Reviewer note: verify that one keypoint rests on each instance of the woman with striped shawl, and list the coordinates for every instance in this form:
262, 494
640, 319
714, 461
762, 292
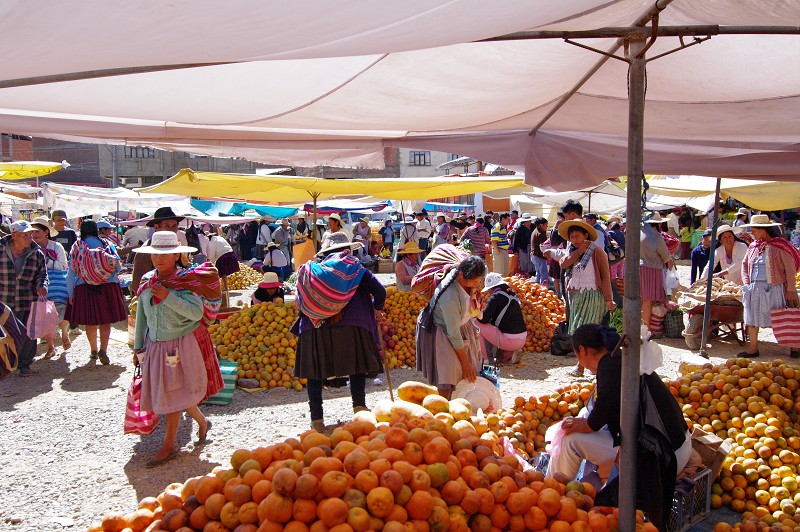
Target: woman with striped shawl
337, 333
587, 274
172, 343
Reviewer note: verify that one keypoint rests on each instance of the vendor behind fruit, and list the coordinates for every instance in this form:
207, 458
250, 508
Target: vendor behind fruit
269, 289
594, 435
448, 343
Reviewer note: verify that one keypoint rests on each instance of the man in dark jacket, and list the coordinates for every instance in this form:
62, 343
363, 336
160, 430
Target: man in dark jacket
522, 243
23, 279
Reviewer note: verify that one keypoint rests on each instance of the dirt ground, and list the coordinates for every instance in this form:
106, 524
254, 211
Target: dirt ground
65, 460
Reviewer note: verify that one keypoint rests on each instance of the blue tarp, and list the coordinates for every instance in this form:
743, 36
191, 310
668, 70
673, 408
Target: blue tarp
228, 208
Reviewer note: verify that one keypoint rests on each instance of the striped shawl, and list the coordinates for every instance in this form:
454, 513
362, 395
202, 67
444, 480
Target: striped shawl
324, 288
201, 280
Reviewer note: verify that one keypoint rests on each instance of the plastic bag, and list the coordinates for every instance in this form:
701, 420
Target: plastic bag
670, 280
650, 357
138, 421
43, 319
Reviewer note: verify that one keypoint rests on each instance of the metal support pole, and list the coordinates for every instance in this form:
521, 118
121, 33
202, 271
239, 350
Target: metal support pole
114, 175
632, 309
314, 217
709, 280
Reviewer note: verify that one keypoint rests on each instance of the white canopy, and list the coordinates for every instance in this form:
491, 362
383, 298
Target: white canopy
79, 201
762, 195
336, 83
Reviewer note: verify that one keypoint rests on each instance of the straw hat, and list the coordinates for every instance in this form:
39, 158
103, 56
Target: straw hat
270, 280
364, 219
742, 211
45, 224
725, 227
655, 219
321, 221
410, 247
614, 218
526, 217
336, 217
493, 280
338, 242
282, 221
301, 215
164, 242
565, 226
761, 220
272, 245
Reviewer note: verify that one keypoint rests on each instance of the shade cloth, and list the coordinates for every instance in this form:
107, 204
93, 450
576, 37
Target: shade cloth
370, 77
18, 170
79, 201
289, 189
761, 195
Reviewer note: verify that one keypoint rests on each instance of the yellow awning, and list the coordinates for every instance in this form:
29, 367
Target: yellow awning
761, 195
296, 189
18, 170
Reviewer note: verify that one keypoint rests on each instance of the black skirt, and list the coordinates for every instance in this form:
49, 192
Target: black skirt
329, 352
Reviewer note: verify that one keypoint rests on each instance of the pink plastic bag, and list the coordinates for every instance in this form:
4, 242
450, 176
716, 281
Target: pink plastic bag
43, 319
138, 421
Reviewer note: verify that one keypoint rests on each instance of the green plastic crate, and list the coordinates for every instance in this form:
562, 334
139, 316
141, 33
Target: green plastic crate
225, 395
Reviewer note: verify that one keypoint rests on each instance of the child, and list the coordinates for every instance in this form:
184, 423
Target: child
269, 289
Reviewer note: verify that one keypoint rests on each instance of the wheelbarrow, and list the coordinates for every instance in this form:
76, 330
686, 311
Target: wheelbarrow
726, 321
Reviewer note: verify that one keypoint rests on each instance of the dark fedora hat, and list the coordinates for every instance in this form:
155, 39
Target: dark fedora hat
164, 213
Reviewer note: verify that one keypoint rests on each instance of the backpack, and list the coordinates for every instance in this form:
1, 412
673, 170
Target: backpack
94, 266
193, 237
613, 250
434, 268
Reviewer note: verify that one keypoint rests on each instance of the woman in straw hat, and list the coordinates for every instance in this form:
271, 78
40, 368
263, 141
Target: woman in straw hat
588, 279
95, 305
55, 259
654, 256
172, 343
337, 333
768, 272
335, 225
407, 265
729, 255
269, 289
442, 230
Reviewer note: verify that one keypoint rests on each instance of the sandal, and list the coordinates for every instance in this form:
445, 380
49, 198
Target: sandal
576, 372
203, 437
51, 352
155, 463
745, 354
93, 356
65, 343
103, 357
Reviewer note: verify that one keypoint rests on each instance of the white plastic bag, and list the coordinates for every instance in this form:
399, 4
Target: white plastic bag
650, 357
670, 280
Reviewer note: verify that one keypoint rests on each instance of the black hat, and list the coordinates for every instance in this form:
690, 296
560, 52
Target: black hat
163, 213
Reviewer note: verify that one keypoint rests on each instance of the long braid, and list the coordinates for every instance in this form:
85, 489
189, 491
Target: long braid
451, 277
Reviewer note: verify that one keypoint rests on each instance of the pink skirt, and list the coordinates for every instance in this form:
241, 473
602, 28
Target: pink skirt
174, 375
213, 373
651, 284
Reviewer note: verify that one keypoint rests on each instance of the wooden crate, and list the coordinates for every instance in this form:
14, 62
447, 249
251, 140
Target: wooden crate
385, 266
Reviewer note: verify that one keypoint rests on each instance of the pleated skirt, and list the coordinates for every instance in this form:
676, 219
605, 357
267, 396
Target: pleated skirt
759, 299
586, 306
327, 352
651, 284
227, 264
97, 305
174, 375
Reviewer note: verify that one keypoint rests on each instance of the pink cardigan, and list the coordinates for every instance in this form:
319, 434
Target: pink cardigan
780, 268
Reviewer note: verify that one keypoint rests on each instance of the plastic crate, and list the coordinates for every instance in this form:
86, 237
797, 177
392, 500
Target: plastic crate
690, 508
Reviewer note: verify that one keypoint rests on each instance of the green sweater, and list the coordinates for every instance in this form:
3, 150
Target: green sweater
176, 316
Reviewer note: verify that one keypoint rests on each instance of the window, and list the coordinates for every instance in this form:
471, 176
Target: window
419, 158
453, 157
195, 156
139, 152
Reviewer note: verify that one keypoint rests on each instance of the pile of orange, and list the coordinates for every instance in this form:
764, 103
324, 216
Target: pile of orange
372, 476
755, 406
542, 311
244, 278
526, 422
258, 339
398, 326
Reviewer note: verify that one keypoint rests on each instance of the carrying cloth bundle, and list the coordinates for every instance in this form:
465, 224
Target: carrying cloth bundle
324, 288
435, 267
12, 335
202, 280
94, 266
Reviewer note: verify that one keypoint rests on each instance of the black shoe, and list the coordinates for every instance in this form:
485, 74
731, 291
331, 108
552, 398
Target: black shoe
25, 372
794, 353
745, 354
103, 357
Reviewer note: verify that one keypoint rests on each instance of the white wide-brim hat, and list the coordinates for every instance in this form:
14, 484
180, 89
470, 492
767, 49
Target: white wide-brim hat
164, 242
761, 220
493, 280
481, 394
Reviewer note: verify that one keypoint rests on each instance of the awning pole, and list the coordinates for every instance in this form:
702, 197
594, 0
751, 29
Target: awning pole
314, 196
590, 201
710, 279
632, 309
